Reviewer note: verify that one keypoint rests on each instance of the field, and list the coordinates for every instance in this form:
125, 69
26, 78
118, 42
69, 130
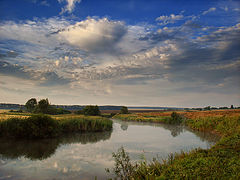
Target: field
222, 161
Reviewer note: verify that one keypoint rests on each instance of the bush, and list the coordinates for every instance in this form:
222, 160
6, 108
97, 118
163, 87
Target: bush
78, 112
54, 111
42, 126
123, 168
175, 118
91, 111
124, 110
37, 126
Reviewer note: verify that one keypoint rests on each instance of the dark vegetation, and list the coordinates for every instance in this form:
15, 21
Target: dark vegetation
175, 118
91, 111
43, 126
43, 106
124, 110
222, 161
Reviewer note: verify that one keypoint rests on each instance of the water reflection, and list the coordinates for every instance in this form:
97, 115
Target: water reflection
175, 130
43, 149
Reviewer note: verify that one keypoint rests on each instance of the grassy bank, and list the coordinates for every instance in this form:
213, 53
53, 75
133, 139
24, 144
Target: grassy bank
222, 161
141, 118
43, 126
173, 118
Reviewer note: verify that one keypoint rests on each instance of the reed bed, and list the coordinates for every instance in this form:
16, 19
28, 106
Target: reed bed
43, 126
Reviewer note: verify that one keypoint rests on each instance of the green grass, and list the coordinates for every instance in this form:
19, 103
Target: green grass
222, 161
139, 118
175, 118
43, 126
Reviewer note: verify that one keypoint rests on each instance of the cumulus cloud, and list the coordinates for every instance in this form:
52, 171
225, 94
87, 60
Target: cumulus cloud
96, 35
109, 58
212, 9
164, 20
70, 5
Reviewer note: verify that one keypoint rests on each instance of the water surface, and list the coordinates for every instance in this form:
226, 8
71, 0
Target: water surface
84, 156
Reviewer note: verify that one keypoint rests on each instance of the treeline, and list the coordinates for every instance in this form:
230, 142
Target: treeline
43, 106
212, 108
67, 107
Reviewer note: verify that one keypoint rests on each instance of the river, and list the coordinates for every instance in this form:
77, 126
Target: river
85, 156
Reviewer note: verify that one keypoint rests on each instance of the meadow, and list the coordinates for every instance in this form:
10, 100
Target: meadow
221, 161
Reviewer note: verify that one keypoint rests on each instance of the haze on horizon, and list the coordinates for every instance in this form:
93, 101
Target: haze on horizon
134, 53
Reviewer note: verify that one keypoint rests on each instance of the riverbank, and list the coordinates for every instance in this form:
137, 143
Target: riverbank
222, 161
44, 126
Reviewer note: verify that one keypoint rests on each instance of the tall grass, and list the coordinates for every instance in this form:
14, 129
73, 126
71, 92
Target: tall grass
43, 126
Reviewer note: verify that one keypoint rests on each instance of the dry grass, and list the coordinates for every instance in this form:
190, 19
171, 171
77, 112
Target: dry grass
194, 114
213, 113
4, 110
8, 116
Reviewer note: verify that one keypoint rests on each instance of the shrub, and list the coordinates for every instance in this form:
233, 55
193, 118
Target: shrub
37, 126
78, 112
124, 110
123, 168
91, 110
175, 118
42, 126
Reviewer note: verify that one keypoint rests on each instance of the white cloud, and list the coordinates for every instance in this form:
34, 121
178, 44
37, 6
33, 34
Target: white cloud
164, 20
102, 57
94, 35
209, 10
70, 5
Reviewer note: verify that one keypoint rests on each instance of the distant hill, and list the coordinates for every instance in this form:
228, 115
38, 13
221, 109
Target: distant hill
154, 108
79, 107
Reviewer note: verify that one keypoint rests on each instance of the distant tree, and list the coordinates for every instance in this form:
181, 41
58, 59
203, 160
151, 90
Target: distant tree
31, 104
78, 112
91, 110
124, 110
43, 106
207, 108
223, 107
232, 107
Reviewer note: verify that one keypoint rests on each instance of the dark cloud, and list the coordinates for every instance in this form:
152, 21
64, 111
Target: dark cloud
42, 78
52, 79
13, 70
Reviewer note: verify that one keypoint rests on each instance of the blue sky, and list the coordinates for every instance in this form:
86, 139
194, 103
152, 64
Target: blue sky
155, 52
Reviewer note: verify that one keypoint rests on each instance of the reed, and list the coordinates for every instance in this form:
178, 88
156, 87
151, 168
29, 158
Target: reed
44, 126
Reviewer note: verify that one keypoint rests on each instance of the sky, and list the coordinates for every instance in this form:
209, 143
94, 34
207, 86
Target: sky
121, 52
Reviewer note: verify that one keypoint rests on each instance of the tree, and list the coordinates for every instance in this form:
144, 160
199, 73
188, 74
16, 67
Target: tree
91, 110
124, 110
31, 104
43, 106
232, 107
207, 108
